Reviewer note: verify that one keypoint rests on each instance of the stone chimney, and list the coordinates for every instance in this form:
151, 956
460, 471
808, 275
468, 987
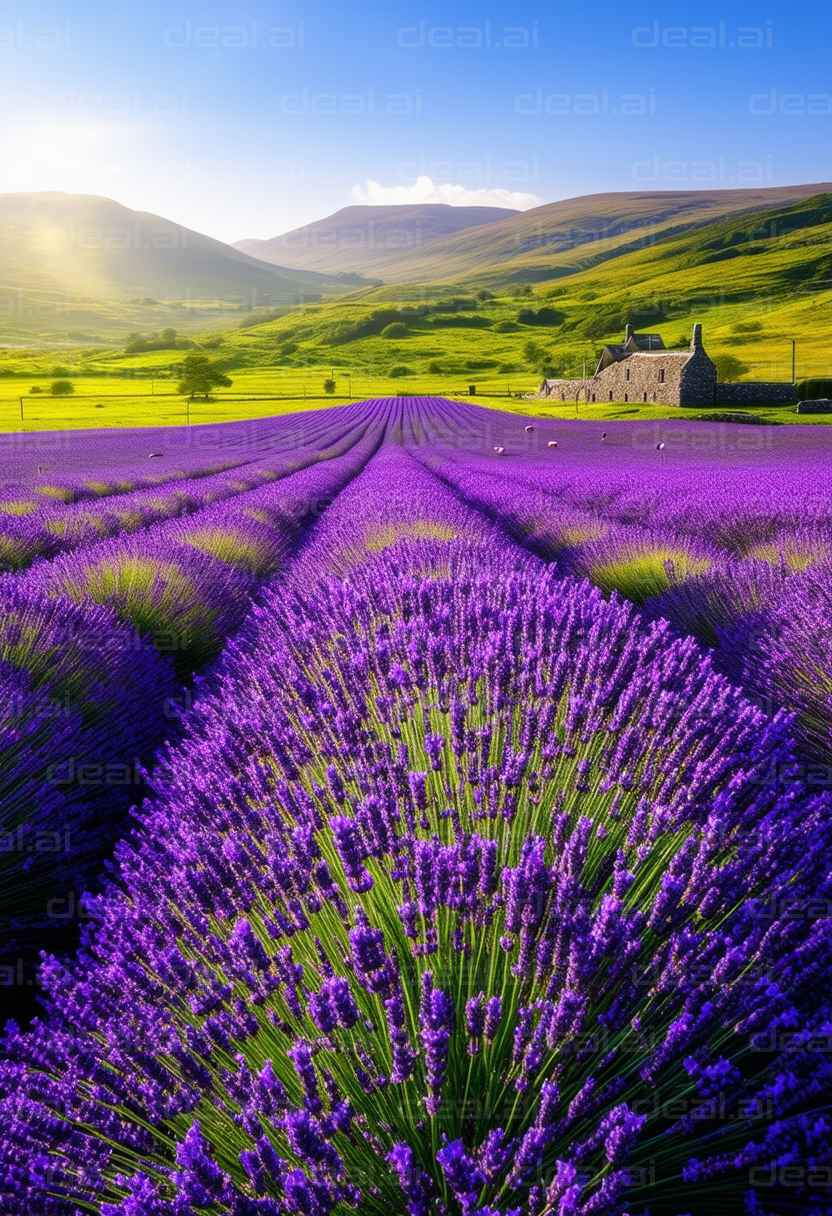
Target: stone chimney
628, 333
696, 339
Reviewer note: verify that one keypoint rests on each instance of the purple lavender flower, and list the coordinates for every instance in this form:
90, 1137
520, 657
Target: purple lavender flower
660, 953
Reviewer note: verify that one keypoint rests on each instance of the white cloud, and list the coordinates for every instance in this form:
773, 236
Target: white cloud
424, 190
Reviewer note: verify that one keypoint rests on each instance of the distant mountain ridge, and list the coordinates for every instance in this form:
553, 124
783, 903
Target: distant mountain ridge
77, 256
533, 246
83, 268
360, 238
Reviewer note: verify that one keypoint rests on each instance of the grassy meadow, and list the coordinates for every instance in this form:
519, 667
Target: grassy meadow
757, 282
99, 402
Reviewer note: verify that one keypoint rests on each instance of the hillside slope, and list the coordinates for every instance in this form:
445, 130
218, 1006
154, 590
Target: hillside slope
363, 239
66, 257
557, 238
755, 279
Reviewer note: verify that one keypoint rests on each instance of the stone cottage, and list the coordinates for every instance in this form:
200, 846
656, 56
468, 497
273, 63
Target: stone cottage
642, 369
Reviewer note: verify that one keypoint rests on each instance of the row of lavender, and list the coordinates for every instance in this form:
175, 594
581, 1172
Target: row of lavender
468, 890
132, 500
71, 466
96, 651
739, 558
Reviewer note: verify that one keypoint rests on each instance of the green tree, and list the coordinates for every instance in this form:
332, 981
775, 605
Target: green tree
536, 355
61, 388
729, 367
329, 385
199, 375
168, 337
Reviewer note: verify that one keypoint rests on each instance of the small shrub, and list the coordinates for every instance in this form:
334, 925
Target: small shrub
35, 389
399, 370
460, 321
434, 367
61, 388
729, 367
506, 327
398, 329
536, 354
540, 316
329, 385
58, 372
374, 323
814, 390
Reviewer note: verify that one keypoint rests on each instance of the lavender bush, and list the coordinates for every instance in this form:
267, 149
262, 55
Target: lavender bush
771, 631
26, 536
469, 890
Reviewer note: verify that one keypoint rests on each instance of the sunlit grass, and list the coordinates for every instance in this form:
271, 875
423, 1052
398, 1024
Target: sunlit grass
646, 574
236, 548
285, 388
798, 552
15, 553
59, 492
385, 535
156, 597
549, 537
105, 487
18, 508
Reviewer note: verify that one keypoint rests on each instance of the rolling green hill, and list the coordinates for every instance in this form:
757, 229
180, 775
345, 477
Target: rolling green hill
757, 278
73, 262
523, 247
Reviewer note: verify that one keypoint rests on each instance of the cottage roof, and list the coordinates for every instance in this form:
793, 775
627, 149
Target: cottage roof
668, 356
633, 344
647, 342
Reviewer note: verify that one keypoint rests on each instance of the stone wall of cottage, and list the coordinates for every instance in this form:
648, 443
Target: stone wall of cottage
663, 378
685, 378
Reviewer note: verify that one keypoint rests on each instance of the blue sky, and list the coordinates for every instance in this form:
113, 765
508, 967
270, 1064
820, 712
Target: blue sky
248, 119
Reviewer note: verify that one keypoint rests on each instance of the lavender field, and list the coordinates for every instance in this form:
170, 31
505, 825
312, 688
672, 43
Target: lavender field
411, 809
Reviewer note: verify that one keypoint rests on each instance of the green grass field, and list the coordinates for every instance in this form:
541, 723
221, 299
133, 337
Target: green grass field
755, 294
103, 401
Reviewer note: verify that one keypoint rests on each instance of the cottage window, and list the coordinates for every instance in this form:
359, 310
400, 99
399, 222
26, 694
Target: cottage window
610, 395
661, 375
645, 396
626, 398
626, 373
593, 396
